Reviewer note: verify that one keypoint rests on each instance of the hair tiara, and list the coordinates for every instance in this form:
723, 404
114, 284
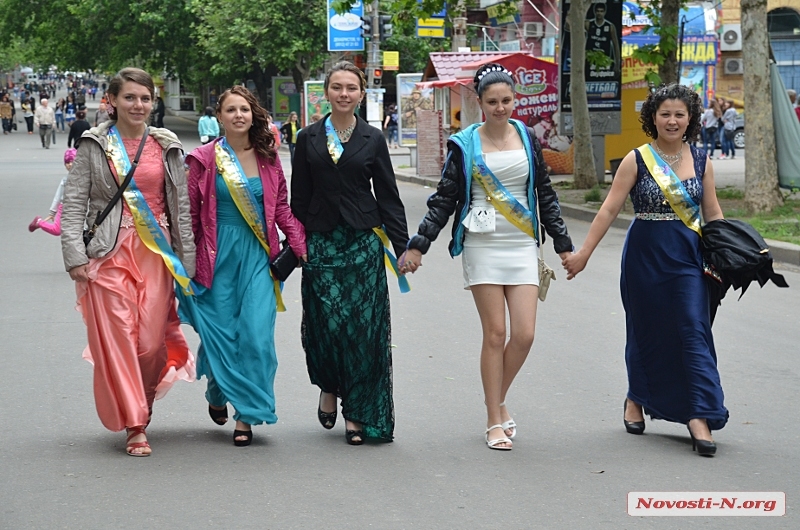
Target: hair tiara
488, 69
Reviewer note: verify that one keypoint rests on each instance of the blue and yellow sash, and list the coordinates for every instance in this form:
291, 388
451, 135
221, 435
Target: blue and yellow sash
143, 219
502, 200
233, 175
673, 189
335, 148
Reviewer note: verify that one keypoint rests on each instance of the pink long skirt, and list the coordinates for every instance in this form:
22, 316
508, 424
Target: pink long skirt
135, 341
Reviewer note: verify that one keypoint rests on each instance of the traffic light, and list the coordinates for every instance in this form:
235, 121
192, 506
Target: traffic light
366, 27
385, 28
377, 74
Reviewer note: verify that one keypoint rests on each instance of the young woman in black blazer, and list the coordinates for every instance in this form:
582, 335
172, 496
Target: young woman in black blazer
338, 163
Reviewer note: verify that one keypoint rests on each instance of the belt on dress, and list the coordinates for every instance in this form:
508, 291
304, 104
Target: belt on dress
652, 216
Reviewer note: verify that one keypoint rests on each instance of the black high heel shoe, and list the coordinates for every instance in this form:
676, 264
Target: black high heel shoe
326, 419
703, 447
218, 416
242, 443
633, 427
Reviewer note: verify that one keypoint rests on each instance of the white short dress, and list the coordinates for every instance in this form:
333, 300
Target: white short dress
506, 256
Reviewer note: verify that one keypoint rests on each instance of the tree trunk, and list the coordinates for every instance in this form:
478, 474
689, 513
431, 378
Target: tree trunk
584, 173
761, 193
263, 81
668, 71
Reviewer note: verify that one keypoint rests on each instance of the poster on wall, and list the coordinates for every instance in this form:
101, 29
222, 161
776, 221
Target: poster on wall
411, 100
282, 88
603, 30
536, 105
316, 103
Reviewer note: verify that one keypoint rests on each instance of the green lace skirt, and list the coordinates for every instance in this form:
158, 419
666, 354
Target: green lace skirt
346, 328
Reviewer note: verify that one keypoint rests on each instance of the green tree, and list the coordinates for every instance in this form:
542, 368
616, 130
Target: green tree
258, 39
664, 16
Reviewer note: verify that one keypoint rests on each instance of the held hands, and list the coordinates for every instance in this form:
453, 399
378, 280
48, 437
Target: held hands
574, 263
79, 273
410, 261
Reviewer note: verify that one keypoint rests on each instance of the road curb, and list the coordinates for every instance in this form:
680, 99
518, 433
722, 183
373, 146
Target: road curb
781, 251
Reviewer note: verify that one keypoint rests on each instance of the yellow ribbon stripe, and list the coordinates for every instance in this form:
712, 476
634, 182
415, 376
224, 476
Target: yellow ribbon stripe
673, 189
232, 174
143, 219
391, 262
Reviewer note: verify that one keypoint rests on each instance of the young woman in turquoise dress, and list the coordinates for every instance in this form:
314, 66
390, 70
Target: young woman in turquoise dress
490, 165
670, 356
238, 199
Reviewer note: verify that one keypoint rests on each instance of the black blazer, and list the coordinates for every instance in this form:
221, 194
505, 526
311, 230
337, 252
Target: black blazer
323, 192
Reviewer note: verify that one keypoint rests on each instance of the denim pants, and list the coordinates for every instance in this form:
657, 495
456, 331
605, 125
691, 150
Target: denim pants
728, 147
709, 140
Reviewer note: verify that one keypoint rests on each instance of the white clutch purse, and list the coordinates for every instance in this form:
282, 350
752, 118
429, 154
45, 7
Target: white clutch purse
480, 219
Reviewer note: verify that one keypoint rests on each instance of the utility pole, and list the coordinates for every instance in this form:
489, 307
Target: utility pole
374, 53
460, 27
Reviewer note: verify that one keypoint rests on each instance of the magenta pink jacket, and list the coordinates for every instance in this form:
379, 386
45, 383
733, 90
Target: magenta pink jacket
203, 199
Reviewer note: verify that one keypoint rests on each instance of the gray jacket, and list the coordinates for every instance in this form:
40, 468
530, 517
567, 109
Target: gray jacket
91, 182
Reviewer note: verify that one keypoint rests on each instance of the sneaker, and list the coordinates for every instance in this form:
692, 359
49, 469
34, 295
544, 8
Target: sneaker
34, 224
721, 157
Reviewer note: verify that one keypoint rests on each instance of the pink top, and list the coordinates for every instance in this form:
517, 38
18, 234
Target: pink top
149, 178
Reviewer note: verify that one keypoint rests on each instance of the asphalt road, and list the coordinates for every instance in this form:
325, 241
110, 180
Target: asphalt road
572, 465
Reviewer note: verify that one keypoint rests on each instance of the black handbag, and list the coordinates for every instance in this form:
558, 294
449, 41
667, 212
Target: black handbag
284, 263
88, 235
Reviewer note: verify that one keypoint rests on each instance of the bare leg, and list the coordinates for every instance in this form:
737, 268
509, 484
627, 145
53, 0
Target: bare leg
699, 428
490, 301
633, 412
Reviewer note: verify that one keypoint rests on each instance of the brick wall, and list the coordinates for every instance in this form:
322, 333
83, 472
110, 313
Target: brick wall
430, 143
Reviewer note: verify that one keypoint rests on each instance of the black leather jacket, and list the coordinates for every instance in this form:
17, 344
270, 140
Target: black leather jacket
451, 197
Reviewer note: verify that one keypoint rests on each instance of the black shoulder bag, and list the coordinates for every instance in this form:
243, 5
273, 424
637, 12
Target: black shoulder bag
88, 235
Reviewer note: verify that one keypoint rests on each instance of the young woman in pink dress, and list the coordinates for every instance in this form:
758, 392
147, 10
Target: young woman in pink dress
125, 275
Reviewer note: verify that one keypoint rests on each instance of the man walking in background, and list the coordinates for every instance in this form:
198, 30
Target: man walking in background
45, 119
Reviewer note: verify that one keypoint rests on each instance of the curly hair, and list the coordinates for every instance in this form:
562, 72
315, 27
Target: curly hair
261, 137
689, 97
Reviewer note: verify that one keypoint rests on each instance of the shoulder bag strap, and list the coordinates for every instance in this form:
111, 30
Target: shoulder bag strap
101, 216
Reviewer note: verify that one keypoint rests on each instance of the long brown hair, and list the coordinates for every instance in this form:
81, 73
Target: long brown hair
261, 137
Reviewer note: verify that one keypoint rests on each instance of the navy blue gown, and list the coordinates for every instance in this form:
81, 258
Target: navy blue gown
672, 364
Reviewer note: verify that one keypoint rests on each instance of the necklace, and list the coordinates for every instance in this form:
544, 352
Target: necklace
673, 161
345, 134
508, 136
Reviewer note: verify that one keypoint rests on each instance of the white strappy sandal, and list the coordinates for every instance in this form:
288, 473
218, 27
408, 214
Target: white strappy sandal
495, 444
509, 425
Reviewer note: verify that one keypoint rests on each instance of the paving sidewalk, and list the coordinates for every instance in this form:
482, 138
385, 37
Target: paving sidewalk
727, 174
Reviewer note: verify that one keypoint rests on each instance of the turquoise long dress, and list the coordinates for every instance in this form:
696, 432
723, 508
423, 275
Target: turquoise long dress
235, 318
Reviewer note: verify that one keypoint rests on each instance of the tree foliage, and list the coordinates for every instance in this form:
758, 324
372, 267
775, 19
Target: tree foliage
202, 41
664, 16
257, 39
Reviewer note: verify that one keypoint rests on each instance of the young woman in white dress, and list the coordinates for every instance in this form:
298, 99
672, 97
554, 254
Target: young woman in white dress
500, 253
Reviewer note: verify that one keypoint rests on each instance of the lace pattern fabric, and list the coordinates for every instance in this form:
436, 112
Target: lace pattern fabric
127, 220
647, 197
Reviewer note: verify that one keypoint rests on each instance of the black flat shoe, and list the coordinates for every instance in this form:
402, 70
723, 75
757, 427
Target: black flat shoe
242, 443
349, 435
633, 427
218, 416
703, 447
326, 419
